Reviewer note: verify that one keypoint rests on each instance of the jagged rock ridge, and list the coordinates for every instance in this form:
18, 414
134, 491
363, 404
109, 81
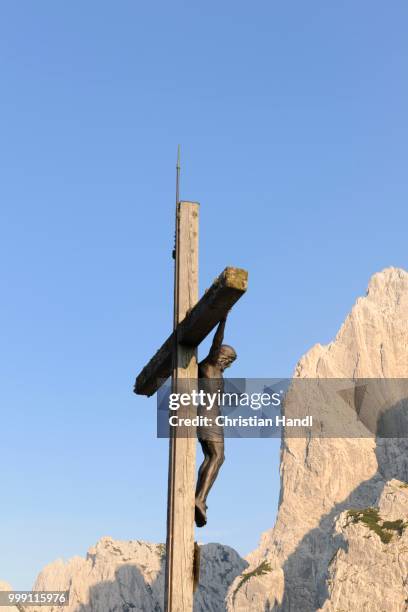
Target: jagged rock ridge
120, 576
311, 552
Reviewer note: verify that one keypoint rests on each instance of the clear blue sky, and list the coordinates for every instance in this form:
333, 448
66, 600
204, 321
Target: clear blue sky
293, 122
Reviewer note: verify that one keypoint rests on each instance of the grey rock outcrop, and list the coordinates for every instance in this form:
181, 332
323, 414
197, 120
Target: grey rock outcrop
298, 565
5, 586
369, 571
120, 576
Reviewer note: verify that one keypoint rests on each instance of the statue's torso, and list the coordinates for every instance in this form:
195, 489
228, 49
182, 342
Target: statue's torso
210, 381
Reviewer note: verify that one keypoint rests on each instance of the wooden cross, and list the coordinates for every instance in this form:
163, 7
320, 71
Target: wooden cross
177, 357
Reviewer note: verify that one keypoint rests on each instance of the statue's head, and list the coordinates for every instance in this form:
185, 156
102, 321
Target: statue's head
226, 356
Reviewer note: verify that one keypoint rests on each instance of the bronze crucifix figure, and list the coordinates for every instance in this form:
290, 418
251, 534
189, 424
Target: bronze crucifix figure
211, 438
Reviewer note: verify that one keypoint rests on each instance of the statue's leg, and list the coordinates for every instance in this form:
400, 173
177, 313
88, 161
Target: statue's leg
200, 507
203, 468
214, 458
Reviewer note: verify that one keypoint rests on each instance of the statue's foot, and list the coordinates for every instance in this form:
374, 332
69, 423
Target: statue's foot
200, 513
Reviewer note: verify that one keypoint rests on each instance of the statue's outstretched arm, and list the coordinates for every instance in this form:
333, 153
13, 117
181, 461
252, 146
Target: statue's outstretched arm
217, 340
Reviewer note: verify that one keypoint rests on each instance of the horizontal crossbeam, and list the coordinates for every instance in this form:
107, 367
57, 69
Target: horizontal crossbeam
215, 304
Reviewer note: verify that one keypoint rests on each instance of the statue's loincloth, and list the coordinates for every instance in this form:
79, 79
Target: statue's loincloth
211, 432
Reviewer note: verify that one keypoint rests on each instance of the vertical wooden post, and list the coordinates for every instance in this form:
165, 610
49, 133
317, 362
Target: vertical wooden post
182, 448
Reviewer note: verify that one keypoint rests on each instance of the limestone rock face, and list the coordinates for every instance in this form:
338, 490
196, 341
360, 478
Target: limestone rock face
119, 576
299, 563
4, 586
371, 564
